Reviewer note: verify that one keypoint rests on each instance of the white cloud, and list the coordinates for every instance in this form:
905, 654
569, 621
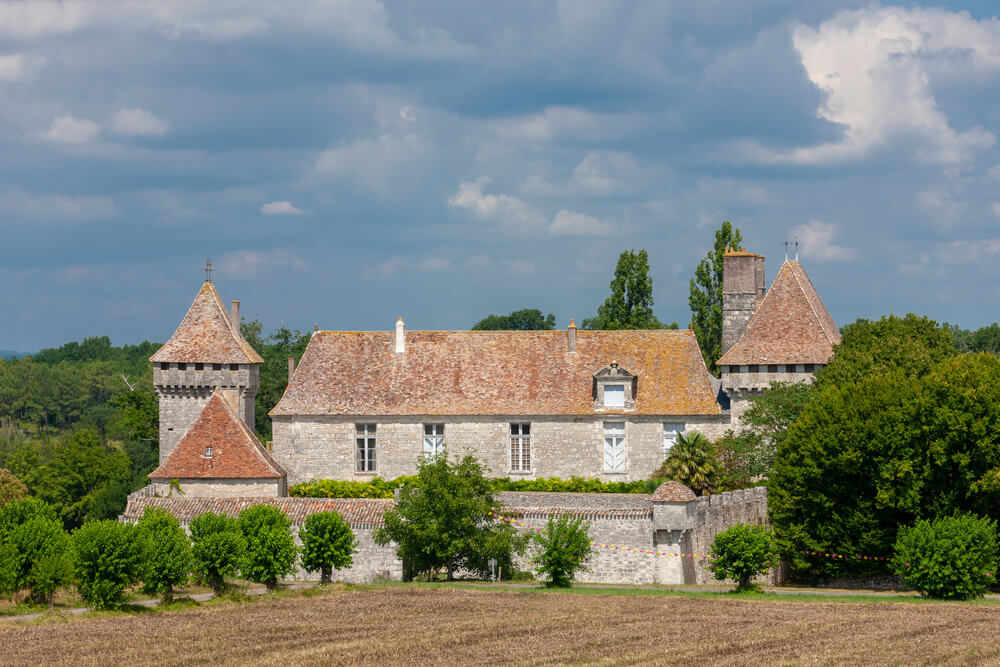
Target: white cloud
371, 162
280, 208
513, 214
406, 113
967, 252
996, 209
19, 206
571, 223
598, 174
434, 264
248, 263
72, 130
816, 239
18, 66
873, 67
137, 122
520, 267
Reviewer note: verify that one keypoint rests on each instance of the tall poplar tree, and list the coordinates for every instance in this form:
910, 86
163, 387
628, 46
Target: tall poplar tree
630, 305
706, 295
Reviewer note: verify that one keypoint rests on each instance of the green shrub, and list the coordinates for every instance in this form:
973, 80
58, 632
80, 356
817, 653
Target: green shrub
108, 559
741, 552
380, 488
166, 552
562, 548
952, 557
217, 548
335, 488
271, 550
693, 463
36, 555
327, 544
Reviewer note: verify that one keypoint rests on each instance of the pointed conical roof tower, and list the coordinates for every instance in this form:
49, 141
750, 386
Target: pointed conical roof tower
220, 456
207, 351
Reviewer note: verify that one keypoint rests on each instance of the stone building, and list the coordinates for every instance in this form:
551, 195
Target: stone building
603, 404
206, 352
785, 334
220, 457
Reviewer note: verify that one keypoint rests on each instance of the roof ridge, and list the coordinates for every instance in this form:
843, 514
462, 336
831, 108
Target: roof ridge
261, 450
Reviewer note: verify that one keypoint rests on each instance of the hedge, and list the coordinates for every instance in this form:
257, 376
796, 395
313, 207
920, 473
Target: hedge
381, 488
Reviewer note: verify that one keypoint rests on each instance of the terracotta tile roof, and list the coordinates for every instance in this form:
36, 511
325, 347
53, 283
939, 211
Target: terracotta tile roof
791, 325
494, 373
673, 492
357, 511
520, 504
236, 452
206, 335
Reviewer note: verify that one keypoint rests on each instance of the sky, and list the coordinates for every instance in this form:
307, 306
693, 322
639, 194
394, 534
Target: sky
347, 162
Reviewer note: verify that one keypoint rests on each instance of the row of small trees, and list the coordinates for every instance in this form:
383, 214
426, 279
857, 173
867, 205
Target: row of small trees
105, 558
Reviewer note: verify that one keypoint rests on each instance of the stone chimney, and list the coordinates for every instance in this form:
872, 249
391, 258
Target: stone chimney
742, 291
236, 316
571, 336
291, 368
400, 337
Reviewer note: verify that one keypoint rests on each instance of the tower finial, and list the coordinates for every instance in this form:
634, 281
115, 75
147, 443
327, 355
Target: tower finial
209, 267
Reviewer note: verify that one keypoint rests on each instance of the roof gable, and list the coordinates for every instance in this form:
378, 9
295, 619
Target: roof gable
494, 373
236, 452
206, 335
791, 325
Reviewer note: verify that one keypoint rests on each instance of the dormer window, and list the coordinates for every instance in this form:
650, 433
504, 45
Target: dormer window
614, 396
208, 452
614, 388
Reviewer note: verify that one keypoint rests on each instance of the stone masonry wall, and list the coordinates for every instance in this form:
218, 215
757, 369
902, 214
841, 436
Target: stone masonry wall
324, 447
222, 488
714, 514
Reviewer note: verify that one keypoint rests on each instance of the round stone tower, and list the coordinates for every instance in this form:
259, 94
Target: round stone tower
206, 352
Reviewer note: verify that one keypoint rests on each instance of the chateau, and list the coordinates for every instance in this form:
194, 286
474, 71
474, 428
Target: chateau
600, 404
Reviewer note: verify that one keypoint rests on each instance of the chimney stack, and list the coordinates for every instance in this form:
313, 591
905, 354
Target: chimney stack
236, 315
742, 291
400, 337
291, 368
571, 336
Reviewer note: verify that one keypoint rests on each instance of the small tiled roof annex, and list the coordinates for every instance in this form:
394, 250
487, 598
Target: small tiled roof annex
673, 492
206, 335
791, 325
236, 452
494, 373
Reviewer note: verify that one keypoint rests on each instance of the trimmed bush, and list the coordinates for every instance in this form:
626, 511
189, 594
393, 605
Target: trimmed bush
166, 553
951, 557
217, 548
36, 555
380, 488
271, 549
562, 548
327, 544
108, 559
741, 552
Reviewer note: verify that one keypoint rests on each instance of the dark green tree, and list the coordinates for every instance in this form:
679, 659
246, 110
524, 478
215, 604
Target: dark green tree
705, 297
440, 519
950, 557
528, 319
741, 552
107, 557
166, 553
562, 549
271, 551
630, 305
217, 548
867, 457
328, 544
692, 462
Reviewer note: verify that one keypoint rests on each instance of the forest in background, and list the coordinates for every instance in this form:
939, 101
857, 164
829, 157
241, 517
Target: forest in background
79, 423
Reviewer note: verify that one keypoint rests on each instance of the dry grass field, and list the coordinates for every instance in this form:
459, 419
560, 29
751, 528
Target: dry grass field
419, 625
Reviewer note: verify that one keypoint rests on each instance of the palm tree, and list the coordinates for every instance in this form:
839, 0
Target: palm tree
692, 462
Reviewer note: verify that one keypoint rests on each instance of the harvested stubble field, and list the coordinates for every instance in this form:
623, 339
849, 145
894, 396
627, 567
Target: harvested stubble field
415, 625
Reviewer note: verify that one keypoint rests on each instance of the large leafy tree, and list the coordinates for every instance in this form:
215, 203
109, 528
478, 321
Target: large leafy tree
11, 488
271, 550
705, 297
217, 548
446, 517
166, 552
562, 548
630, 305
328, 544
36, 555
528, 319
869, 456
107, 556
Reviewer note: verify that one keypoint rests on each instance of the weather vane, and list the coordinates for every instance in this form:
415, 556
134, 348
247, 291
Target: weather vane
794, 242
209, 267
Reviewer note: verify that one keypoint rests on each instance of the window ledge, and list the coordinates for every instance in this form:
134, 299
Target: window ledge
521, 473
365, 474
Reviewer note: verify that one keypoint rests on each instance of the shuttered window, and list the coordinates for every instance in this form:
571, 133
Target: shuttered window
614, 446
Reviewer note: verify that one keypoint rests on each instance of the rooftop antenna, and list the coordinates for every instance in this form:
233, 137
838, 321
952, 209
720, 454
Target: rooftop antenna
209, 267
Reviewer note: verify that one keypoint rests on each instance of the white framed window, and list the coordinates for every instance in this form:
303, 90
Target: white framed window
670, 433
614, 396
614, 446
365, 437
433, 439
520, 447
